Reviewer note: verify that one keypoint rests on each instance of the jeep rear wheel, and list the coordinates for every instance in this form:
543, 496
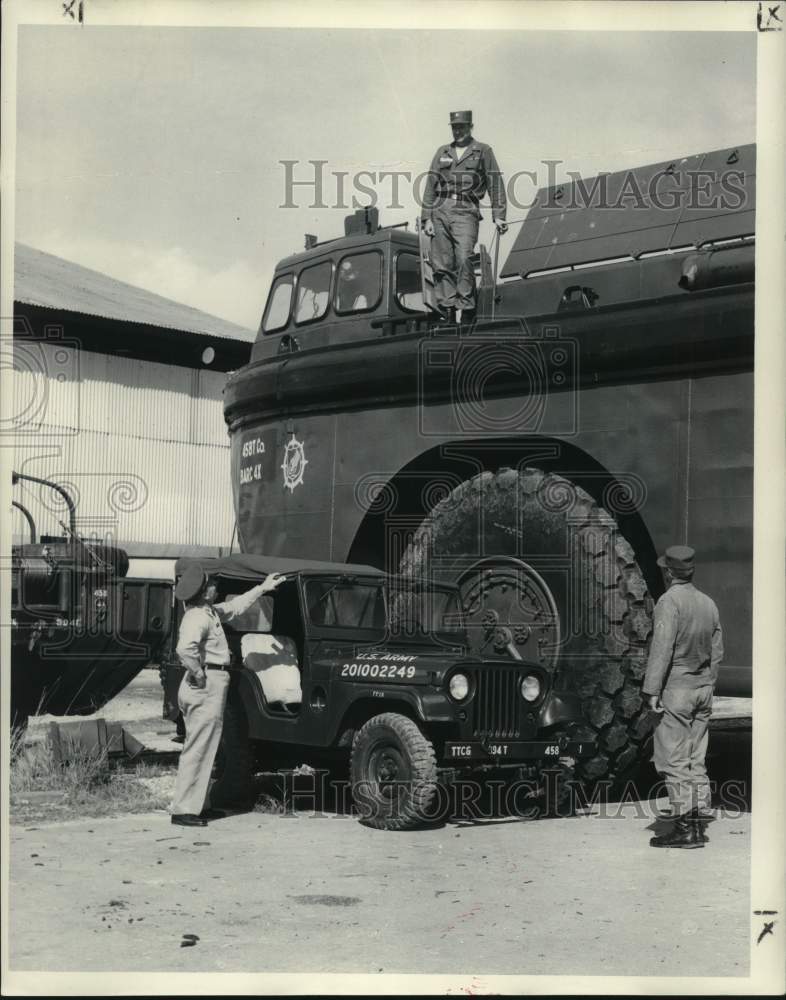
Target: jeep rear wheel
393, 773
537, 559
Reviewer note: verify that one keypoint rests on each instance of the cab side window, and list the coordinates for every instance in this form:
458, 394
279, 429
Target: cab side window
279, 302
313, 292
345, 605
359, 282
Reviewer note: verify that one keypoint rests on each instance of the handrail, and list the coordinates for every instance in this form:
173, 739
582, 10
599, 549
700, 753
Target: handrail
28, 517
16, 476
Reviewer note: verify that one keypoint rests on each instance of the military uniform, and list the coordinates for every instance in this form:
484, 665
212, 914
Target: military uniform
458, 178
686, 651
202, 648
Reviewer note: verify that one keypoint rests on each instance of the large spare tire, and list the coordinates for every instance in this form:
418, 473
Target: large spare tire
534, 552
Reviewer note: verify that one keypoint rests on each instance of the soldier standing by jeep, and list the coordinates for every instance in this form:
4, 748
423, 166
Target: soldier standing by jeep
460, 175
686, 651
203, 651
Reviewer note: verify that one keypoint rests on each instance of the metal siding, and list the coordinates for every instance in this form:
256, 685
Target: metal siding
142, 446
114, 395
46, 388
136, 490
209, 424
135, 398
160, 402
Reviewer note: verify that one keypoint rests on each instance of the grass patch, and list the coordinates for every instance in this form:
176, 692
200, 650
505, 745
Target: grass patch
44, 789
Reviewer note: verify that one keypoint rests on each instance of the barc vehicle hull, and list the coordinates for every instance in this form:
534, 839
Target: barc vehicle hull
598, 409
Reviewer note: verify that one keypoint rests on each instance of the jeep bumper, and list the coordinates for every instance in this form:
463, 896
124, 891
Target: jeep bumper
511, 751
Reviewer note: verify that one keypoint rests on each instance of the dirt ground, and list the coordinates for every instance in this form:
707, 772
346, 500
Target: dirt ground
320, 893
287, 894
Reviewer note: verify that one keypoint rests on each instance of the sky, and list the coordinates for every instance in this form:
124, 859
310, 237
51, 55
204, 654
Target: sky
153, 154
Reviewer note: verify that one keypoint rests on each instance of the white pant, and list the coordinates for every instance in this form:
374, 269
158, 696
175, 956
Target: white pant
203, 714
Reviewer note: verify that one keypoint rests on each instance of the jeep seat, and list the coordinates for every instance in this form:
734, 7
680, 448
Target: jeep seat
273, 658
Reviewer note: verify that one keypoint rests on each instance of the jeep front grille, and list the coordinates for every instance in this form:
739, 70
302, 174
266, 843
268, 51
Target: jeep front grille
497, 704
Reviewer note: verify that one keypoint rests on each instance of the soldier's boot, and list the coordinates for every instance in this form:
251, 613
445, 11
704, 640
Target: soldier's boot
448, 317
683, 834
699, 824
468, 317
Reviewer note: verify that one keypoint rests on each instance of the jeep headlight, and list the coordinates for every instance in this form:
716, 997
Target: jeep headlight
530, 688
459, 687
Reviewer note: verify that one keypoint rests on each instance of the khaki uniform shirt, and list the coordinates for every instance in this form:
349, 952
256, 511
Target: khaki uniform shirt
471, 177
687, 642
201, 638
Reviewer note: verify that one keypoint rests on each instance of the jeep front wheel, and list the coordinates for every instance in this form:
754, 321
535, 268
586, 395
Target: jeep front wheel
394, 773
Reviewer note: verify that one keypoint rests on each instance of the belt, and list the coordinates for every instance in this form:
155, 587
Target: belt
216, 666
461, 197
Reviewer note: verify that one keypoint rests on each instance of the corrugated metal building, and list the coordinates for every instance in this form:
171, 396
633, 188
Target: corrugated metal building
118, 396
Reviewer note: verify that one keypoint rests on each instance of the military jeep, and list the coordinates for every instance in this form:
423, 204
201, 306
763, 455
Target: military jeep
344, 665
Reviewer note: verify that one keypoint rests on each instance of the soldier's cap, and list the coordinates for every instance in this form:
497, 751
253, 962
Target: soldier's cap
460, 117
190, 583
679, 557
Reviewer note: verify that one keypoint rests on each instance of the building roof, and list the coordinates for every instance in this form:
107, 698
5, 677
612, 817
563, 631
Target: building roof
41, 279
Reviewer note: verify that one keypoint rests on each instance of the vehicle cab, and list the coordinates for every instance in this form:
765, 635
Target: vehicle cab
364, 284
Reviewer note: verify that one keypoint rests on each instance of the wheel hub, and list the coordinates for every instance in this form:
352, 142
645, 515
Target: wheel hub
508, 607
388, 769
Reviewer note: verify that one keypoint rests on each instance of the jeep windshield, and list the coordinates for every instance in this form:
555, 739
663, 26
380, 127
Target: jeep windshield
401, 607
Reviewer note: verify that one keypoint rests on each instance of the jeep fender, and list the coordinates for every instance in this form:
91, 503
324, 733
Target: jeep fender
429, 706
560, 707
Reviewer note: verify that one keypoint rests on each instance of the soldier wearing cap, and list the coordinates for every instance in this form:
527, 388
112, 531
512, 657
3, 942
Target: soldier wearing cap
686, 651
460, 175
203, 651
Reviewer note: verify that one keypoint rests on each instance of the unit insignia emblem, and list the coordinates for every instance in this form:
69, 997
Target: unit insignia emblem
294, 463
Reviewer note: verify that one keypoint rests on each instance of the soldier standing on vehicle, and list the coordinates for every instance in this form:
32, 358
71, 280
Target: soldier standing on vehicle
686, 651
460, 175
203, 651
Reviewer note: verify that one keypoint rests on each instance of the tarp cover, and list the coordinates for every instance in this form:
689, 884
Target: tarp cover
253, 567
